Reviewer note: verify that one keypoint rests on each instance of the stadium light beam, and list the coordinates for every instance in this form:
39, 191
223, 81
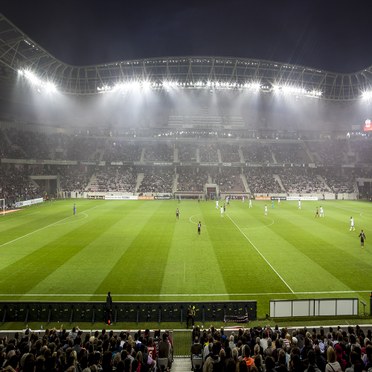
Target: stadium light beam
367, 95
39, 84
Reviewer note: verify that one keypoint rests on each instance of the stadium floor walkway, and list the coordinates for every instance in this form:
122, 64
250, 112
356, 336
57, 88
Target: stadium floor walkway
181, 364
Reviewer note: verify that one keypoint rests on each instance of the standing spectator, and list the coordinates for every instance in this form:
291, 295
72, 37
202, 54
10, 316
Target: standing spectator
108, 308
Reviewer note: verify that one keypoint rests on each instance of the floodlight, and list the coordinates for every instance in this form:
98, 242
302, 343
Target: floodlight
315, 93
39, 84
367, 95
146, 84
288, 89
104, 89
50, 87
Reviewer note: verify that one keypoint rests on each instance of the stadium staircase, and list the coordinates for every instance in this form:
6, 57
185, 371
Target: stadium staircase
308, 153
241, 156
139, 180
175, 183
245, 183
181, 364
92, 184
175, 155
323, 181
277, 179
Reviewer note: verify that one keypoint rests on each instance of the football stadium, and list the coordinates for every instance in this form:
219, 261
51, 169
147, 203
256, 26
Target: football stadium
213, 204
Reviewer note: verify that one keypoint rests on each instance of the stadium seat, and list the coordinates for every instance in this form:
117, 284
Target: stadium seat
163, 364
197, 362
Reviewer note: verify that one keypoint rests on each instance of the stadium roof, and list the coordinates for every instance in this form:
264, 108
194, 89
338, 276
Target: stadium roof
18, 51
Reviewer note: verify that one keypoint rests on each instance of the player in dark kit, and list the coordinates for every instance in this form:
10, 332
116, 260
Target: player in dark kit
177, 213
362, 237
199, 227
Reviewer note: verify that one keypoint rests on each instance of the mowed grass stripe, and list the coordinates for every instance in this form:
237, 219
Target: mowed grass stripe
47, 233
24, 274
331, 245
94, 262
310, 250
263, 270
33, 218
140, 268
192, 267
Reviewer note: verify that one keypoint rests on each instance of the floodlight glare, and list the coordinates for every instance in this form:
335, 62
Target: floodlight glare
50, 87
367, 95
146, 84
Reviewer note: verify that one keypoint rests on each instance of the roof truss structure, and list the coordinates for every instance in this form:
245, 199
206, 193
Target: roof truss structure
18, 51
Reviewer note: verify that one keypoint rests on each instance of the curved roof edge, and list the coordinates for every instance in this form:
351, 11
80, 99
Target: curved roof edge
18, 51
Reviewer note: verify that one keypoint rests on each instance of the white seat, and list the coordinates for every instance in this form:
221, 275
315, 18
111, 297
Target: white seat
197, 362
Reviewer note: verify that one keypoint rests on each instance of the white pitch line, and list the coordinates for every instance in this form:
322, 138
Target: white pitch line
177, 294
257, 250
35, 231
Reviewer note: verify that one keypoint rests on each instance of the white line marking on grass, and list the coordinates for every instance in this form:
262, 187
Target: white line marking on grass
257, 250
192, 221
74, 219
103, 295
35, 231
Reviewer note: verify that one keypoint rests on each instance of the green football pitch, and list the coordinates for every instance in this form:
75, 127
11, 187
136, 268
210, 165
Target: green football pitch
139, 251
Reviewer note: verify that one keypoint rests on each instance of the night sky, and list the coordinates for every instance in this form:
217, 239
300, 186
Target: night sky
330, 35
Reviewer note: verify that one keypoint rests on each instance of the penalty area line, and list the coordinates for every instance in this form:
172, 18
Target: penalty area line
264, 258
41, 229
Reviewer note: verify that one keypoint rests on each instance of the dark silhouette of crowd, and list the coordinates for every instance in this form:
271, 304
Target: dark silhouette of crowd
62, 350
267, 349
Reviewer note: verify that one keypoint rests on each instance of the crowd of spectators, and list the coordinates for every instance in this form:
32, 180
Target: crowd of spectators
340, 180
362, 150
186, 152
257, 153
262, 181
93, 145
119, 150
289, 153
74, 158
266, 349
330, 152
118, 179
208, 153
229, 153
73, 178
76, 351
15, 185
159, 152
28, 144
191, 179
157, 181
302, 181
229, 180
